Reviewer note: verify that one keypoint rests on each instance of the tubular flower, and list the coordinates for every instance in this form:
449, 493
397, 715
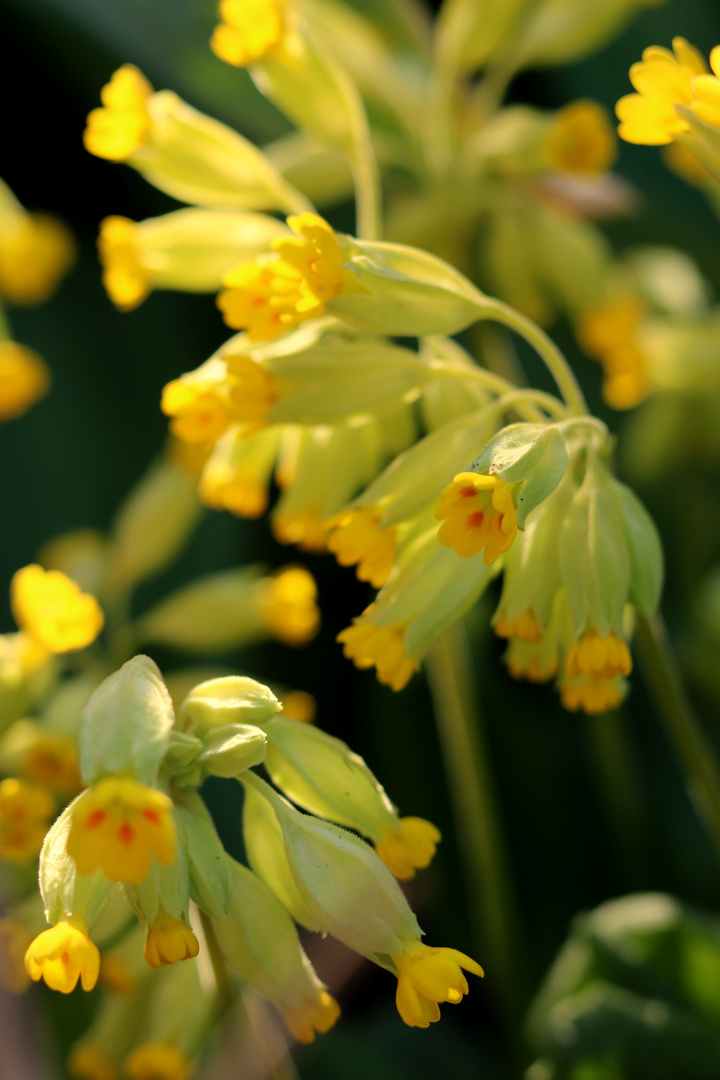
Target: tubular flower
663, 80
381, 647
119, 128
538, 662
236, 477
288, 605
600, 657
306, 528
592, 694
14, 941
313, 1015
119, 824
477, 512
525, 627
36, 251
52, 759
428, 976
408, 848
610, 332
52, 610
86, 1062
581, 140
200, 411
250, 29
253, 389
62, 955
25, 814
157, 1061
357, 539
124, 277
24, 379
267, 299
169, 940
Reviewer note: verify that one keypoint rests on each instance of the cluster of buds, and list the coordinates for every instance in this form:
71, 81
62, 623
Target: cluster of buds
140, 839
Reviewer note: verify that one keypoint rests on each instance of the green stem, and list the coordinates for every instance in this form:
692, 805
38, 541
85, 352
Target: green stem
491, 893
544, 346
693, 748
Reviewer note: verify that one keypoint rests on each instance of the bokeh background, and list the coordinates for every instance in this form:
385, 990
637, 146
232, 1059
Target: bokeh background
592, 809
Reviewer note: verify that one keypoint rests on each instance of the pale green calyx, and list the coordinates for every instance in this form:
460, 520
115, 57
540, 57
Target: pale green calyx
233, 699
64, 891
209, 883
531, 455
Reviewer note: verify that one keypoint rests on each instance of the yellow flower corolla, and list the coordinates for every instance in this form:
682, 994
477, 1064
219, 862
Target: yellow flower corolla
14, 942
477, 513
86, 1062
581, 140
288, 605
663, 80
253, 389
250, 29
592, 694
119, 825
52, 610
24, 379
601, 657
299, 705
25, 814
169, 940
52, 759
62, 955
707, 91
314, 1014
306, 528
525, 627
124, 277
116, 976
408, 848
357, 539
157, 1061
268, 298
381, 647
36, 251
610, 332
532, 661
427, 977
199, 412
118, 129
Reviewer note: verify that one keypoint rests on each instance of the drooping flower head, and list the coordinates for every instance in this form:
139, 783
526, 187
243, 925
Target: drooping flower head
117, 130
427, 977
663, 79
157, 1061
24, 379
52, 610
288, 605
315, 1014
62, 955
581, 140
477, 514
408, 848
250, 29
169, 940
381, 647
356, 539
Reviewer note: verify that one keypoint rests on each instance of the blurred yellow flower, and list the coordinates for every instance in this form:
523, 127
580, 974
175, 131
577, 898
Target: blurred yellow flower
24, 379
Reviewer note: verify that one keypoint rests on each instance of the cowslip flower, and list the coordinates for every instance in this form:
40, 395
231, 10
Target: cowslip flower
611, 333
357, 540
408, 848
117, 130
288, 605
580, 140
314, 1014
381, 647
157, 1061
663, 80
62, 955
119, 825
478, 514
52, 610
250, 30
24, 379
169, 940
427, 977
25, 814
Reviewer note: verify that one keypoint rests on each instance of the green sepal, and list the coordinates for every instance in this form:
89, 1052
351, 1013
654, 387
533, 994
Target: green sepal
231, 699
209, 874
64, 891
126, 724
323, 775
644, 548
232, 749
534, 455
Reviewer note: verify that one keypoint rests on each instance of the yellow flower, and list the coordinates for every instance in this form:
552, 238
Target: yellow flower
525, 627
50, 608
601, 657
253, 389
61, 956
535, 661
157, 1061
124, 277
663, 80
428, 976
357, 539
119, 824
381, 647
581, 140
314, 1014
200, 408
36, 251
478, 513
610, 332
305, 527
707, 91
169, 940
236, 477
25, 814
267, 299
250, 29
52, 759
24, 379
408, 848
299, 705
86, 1062
593, 694
288, 605
14, 941
118, 129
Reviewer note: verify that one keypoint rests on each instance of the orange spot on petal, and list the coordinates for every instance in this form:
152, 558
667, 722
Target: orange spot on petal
152, 816
467, 492
126, 834
95, 819
475, 520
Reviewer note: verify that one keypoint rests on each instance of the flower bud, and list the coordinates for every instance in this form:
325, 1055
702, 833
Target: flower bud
230, 750
233, 699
